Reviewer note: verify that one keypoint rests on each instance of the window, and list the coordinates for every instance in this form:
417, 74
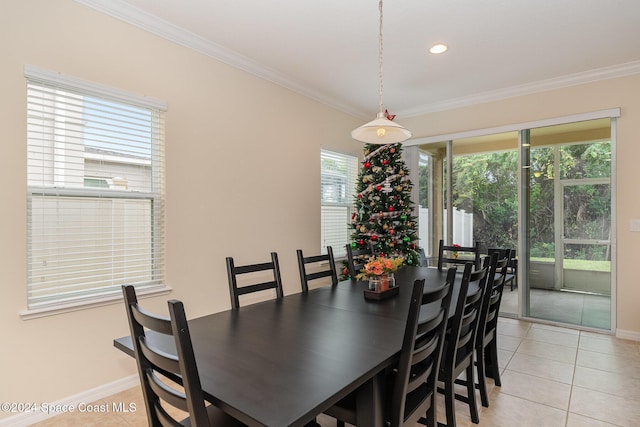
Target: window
95, 196
337, 183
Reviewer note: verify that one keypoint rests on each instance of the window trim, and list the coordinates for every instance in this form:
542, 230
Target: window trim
84, 304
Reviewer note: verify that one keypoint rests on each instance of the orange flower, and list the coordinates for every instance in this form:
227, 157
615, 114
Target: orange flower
379, 266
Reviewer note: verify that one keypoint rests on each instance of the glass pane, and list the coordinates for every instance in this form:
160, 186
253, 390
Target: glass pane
581, 161
568, 276
587, 212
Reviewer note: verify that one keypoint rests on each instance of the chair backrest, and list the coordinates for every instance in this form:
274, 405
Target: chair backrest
155, 366
458, 255
465, 321
357, 258
493, 294
510, 254
417, 372
328, 270
236, 290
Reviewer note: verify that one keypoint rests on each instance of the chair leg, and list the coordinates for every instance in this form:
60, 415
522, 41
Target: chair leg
450, 400
430, 419
471, 395
491, 359
482, 385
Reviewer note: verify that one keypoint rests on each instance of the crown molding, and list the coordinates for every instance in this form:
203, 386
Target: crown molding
134, 16
125, 12
605, 73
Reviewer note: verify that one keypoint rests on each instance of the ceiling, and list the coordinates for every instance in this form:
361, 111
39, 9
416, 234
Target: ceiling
328, 49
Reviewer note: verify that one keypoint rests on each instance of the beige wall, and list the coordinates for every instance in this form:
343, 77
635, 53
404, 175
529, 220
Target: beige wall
242, 179
621, 92
243, 173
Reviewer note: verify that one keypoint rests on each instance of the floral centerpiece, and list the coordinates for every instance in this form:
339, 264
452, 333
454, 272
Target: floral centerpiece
379, 272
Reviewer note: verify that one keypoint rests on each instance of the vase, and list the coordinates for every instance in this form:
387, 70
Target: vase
382, 282
374, 283
391, 279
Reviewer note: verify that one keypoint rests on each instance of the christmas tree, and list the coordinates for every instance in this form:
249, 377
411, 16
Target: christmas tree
383, 215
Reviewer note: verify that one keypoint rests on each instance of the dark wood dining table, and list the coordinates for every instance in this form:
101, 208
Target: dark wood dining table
281, 362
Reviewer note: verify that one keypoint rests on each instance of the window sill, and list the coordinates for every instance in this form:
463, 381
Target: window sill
87, 304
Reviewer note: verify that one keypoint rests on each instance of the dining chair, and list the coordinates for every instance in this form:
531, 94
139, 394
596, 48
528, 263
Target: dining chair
511, 279
325, 266
235, 289
486, 339
458, 355
357, 258
512, 275
458, 255
163, 396
411, 384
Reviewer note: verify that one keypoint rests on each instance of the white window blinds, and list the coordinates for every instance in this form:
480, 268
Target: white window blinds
338, 174
95, 178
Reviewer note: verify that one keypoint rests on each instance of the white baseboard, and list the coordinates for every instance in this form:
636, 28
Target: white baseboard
628, 335
25, 419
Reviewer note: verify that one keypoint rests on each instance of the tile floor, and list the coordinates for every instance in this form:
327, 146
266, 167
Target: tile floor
551, 377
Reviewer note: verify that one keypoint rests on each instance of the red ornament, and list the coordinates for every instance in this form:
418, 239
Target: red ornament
367, 165
385, 161
361, 242
378, 187
391, 231
390, 208
374, 237
359, 196
389, 116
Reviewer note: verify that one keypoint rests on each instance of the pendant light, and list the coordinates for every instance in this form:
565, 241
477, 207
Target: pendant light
381, 130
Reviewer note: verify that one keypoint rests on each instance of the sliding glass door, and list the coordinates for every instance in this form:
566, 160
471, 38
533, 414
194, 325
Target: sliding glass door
544, 191
567, 240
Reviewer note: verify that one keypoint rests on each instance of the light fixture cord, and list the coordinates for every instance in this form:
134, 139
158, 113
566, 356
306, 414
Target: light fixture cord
380, 59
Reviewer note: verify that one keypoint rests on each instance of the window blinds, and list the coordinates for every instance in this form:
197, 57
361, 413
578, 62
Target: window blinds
95, 178
337, 184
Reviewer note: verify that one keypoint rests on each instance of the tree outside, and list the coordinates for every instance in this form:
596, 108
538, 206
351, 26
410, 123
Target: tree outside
487, 186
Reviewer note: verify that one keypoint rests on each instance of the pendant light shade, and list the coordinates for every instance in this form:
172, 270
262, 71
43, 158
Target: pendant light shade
381, 130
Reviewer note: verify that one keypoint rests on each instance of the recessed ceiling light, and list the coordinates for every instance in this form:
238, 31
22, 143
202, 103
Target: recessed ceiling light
438, 48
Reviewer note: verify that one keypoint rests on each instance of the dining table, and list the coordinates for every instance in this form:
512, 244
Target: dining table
282, 362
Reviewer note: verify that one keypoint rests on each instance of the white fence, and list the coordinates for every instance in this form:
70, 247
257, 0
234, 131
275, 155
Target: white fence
462, 226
